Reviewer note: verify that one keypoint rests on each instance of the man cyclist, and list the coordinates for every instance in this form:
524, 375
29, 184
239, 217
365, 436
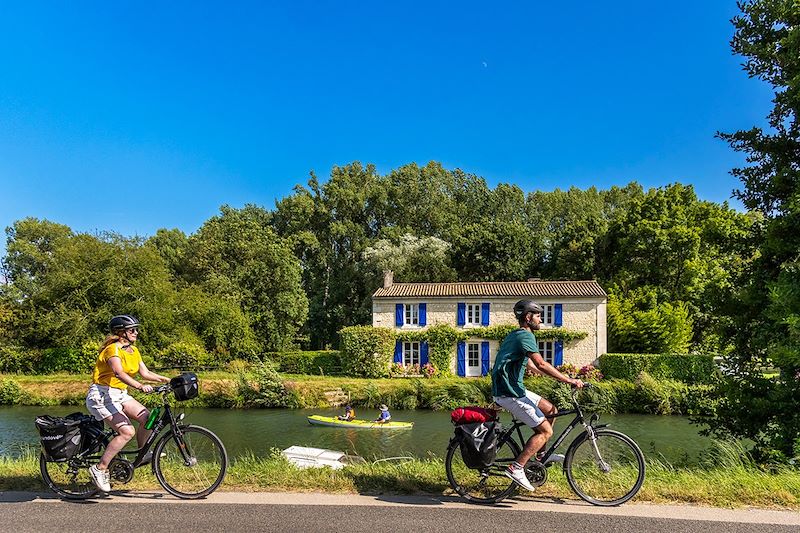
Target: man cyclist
519, 352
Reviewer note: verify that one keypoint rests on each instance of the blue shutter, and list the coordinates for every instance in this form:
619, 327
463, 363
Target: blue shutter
461, 316
485, 314
461, 364
399, 316
557, 315
423, 352
398, 352
558, 356
484, 358
423, 315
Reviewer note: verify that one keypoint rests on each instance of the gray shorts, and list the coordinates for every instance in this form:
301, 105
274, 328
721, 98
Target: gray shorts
525, 409
103, 401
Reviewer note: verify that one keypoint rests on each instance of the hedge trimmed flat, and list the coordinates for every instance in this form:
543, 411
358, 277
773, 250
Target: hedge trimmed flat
319, 420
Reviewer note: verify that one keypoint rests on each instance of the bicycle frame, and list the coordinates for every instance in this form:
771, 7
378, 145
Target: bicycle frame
579, 419
167, 418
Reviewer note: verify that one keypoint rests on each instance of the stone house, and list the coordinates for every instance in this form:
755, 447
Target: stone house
578, 306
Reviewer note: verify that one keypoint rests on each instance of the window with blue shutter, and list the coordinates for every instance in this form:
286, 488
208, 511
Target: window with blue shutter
484, 358
398, 352
557, 315
399, 315
423, 314
558, 356
461, 315
461, 352
423, 353
485, 315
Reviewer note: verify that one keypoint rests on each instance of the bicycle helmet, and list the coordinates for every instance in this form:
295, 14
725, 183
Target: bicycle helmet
122, 322
523, 307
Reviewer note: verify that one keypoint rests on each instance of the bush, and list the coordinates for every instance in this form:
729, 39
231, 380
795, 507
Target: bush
184, 355
323, 362
366, 351
18, 360
10, 392
263, 387
74, 360
686, 368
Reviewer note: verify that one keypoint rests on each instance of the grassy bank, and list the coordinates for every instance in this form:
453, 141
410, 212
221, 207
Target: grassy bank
231, 390
733, 485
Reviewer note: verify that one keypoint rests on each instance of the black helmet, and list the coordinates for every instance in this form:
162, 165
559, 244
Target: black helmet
523, 307
120, 322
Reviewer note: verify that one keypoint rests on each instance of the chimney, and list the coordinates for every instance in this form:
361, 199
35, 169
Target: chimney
388, 278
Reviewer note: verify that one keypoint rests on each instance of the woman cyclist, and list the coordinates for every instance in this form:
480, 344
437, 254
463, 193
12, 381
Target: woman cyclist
108, 397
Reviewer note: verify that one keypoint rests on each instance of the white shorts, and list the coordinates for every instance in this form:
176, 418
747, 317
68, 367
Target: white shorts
525, 409
103, 401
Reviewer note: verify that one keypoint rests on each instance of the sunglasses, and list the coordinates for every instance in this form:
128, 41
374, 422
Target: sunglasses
132, 330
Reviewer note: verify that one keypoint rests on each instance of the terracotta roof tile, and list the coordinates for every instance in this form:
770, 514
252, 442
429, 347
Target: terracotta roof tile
514, 289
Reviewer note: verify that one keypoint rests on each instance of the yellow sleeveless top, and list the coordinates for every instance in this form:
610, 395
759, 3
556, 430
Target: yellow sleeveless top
103, 375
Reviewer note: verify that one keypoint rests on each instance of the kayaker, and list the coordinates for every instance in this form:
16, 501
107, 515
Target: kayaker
385, 416
349, 413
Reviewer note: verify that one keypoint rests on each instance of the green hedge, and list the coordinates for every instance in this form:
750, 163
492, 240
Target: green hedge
686, 368
366, 351
323, 362
76, 360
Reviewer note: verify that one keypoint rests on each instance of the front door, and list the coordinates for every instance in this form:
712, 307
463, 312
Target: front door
473, 359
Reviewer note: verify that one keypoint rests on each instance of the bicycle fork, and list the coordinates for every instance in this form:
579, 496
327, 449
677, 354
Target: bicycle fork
601, 464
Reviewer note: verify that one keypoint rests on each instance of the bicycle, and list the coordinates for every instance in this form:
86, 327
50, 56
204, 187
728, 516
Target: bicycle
189, 461
603, 467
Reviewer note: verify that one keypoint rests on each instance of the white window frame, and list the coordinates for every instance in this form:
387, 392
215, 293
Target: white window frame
548, 350
548, 315
411, 355
473, 354
411, 314
473, 315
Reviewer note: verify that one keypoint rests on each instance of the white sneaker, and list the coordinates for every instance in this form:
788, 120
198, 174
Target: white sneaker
517, 475
555, 458
101, 478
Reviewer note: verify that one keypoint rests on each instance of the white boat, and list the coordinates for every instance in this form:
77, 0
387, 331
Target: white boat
304, 457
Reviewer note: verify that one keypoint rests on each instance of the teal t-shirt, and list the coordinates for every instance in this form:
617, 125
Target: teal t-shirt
510, 363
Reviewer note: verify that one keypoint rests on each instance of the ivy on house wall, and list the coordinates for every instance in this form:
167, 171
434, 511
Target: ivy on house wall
442, 338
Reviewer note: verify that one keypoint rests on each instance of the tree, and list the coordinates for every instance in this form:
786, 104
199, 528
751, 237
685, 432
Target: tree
766, 311
684, 249
237, 255
412, 259
63, 287
638, 323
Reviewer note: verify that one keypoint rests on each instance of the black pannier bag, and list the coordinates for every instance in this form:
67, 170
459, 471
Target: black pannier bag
478, 443
185, 386
91, 430
60, 437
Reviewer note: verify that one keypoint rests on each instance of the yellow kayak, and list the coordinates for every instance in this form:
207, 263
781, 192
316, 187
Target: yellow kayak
319, 420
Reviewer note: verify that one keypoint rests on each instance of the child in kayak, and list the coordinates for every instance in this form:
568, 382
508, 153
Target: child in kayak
349, 413
385, 416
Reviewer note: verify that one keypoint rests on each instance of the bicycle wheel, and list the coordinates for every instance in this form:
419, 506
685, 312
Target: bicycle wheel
70, 479
197, 475
608, 474
488, 485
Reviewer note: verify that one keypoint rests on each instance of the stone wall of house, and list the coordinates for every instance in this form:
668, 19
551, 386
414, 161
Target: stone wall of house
578, 314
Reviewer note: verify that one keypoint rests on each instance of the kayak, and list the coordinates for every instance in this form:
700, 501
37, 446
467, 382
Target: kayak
319, 420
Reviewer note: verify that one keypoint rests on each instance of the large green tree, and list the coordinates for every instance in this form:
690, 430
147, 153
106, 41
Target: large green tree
766, 312
681, 249
63, 287
237, 256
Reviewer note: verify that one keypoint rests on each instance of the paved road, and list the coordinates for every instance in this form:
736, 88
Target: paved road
312, 512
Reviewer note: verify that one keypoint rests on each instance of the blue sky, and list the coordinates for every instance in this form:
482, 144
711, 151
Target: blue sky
130, 117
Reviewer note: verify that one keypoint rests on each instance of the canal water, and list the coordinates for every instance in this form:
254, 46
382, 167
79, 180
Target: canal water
258, 431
